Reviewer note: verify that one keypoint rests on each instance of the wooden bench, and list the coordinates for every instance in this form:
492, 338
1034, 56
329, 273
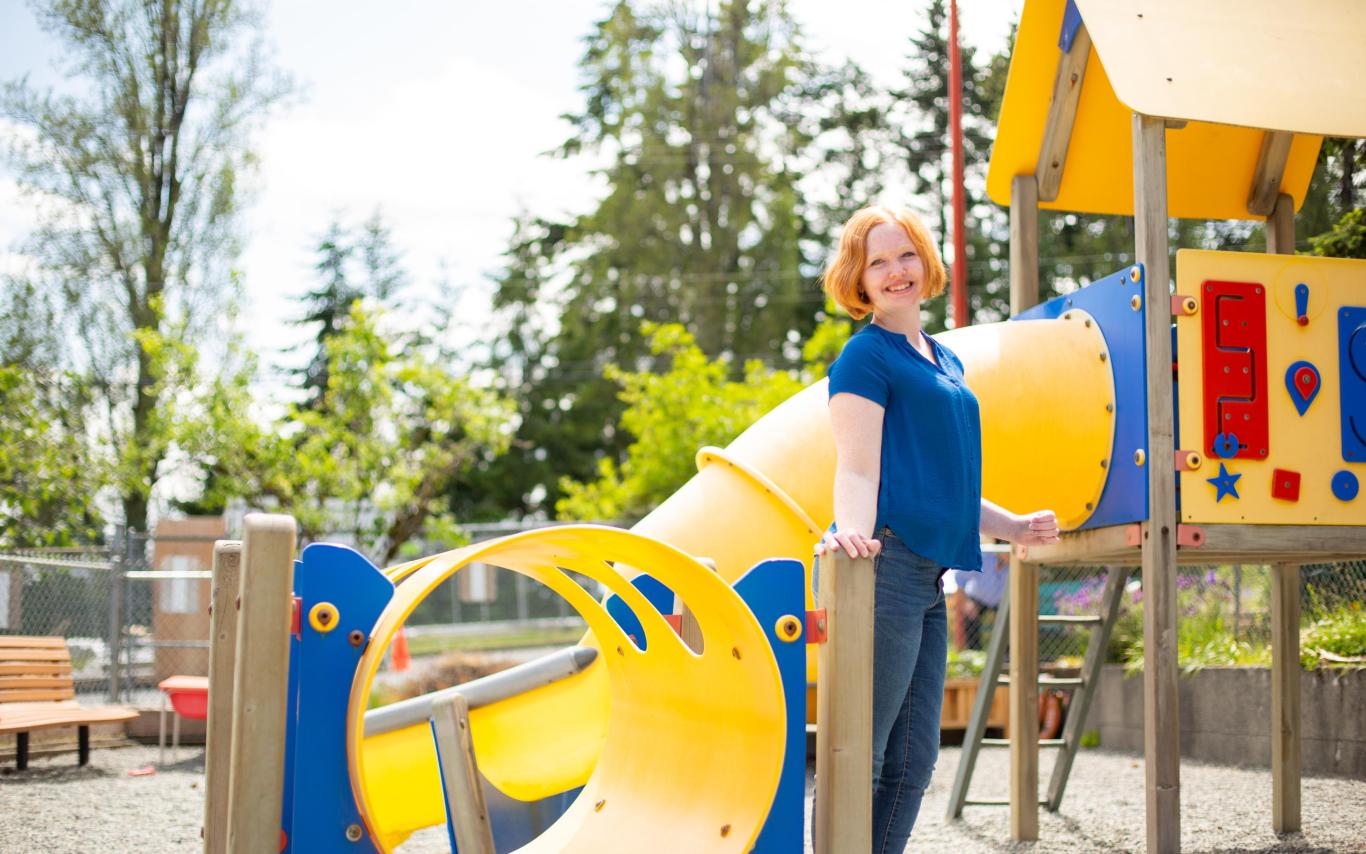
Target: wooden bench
36, 692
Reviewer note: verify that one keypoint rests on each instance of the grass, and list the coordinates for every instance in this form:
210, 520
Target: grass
515, 639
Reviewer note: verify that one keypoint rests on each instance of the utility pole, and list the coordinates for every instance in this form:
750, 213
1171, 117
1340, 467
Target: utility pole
960, 253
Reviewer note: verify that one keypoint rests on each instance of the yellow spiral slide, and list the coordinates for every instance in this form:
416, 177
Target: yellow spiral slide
686, 747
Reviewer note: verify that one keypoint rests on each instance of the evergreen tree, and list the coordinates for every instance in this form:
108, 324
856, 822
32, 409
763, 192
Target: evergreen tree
701, 223
923, 114
352, 264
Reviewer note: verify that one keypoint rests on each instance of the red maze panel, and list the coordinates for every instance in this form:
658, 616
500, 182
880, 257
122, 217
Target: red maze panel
1235, 368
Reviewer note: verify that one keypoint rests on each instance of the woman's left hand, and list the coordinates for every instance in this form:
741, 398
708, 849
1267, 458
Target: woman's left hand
1036, 529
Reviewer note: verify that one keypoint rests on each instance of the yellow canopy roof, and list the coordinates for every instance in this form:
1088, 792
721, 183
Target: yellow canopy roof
1211, 161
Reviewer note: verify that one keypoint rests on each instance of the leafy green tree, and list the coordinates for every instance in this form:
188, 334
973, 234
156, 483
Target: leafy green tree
687, 402
375, 458
139, 178
49, 474
671, 413
1346, 239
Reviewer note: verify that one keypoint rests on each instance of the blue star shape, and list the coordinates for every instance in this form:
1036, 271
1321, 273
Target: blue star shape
1224, 483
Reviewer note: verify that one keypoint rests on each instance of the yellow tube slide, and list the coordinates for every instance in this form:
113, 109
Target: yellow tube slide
1047, 395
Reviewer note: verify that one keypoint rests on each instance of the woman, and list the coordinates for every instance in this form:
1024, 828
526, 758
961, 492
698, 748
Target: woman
908, 491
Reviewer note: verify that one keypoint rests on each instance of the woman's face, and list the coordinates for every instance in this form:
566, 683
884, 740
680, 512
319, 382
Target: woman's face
893, 272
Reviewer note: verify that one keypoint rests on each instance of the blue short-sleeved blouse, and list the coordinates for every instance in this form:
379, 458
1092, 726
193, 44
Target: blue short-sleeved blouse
930, 489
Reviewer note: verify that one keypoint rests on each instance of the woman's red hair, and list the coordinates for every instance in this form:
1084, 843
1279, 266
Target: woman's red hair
844, 273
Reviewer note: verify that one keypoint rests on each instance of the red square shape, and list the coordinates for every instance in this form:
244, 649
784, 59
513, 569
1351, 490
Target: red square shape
1285, 485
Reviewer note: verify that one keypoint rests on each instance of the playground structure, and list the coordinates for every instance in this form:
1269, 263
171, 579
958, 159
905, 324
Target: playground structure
696, 744
1195, 111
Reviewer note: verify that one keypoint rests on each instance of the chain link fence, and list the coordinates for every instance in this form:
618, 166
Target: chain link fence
1225, 612
135, 610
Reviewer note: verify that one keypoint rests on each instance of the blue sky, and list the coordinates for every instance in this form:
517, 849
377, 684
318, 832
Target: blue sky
436, 114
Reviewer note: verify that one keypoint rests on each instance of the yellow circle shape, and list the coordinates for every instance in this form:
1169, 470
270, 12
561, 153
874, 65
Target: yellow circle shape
323, 617
788, 628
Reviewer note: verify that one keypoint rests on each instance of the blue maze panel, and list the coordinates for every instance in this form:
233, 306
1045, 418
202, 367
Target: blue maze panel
1352, 385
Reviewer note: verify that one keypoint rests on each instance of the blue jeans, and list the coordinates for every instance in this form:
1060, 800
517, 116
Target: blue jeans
910, 656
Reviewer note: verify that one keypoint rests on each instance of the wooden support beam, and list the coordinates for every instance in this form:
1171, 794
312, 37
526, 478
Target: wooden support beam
1062, 114
843, 819
465, 807
1223, 543
1280, 227
1024, 701
1024, 243
1285, 698
260, 682
1161, 721
1266, 178
227, 564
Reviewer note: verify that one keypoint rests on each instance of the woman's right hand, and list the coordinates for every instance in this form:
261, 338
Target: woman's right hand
851, 541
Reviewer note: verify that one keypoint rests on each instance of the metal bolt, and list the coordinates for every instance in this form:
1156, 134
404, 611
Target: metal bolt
1134, 274
1135, 302
1103, 357
1088, 324
735, 651
599, 805
1109, 407
353, 833
725, 830
1104, 463
1088, 505
1139, 457
620, 651
356, 637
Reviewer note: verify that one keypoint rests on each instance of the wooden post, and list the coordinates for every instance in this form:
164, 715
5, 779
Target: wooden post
1062, 114
1024, 701
1267, 174
260, 680
465, 807
1285, 698
227, 564
1161, 721
1024, 243
844, 709
1280, 227
1024, 590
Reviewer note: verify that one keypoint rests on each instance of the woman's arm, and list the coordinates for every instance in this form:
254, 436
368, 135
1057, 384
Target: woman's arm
857, 425
1033, 529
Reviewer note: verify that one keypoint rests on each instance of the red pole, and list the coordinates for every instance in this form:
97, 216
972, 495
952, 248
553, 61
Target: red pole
960, 252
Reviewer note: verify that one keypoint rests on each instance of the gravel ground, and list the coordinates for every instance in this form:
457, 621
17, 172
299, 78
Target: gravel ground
57, 807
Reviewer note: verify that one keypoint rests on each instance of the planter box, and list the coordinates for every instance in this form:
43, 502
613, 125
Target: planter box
1226, 717
959, 695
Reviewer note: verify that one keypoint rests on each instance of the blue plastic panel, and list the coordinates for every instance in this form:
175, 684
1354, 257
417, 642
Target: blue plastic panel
774, 589
322, 668
1125, 497
657, 594
1071, 22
